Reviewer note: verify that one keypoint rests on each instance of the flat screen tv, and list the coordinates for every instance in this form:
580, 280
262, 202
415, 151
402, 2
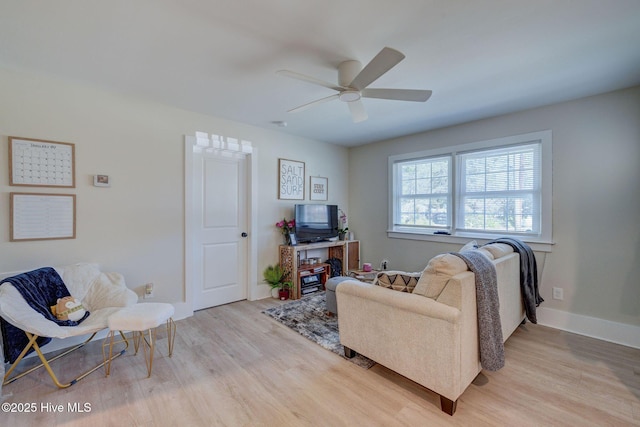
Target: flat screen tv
315, 223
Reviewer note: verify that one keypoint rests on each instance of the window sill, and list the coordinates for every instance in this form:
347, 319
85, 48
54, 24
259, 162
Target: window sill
461, 239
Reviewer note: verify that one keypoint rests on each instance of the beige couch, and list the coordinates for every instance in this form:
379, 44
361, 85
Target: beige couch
429, 335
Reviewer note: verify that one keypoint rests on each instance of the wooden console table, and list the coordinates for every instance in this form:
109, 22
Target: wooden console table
347, 251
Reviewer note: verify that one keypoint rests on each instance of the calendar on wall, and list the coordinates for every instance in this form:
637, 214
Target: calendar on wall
41, 163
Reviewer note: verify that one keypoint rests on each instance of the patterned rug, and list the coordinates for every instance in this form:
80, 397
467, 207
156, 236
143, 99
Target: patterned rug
307, 317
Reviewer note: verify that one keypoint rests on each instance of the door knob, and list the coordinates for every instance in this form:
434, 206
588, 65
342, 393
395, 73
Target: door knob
244, 234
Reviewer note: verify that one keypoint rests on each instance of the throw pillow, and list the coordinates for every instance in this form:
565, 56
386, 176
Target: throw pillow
68, 308
498, 250
437, 273
397, 280
470, 246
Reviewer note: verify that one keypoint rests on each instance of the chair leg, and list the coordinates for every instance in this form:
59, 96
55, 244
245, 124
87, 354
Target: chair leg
8, 380
171, 334
151, 344
47, 366
108, 358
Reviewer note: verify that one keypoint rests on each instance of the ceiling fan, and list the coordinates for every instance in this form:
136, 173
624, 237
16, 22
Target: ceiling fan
353, 82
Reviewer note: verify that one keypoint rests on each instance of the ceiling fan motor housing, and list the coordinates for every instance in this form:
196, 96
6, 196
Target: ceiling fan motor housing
347, 71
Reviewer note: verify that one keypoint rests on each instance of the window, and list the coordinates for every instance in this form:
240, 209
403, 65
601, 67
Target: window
499, 190
425, 192
484, 189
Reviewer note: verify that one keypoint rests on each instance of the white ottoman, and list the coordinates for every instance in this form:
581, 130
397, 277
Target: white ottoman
139, 318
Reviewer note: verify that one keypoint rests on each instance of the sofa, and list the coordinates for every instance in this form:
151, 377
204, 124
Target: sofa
424, 326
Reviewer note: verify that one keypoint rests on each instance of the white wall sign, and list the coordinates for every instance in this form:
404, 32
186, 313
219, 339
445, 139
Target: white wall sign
290, 180
42, 216
318, 188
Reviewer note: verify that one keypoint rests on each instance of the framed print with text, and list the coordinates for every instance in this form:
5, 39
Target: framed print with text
318, 188
290, 180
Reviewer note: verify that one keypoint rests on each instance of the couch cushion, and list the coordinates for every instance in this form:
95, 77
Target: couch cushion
498, 250
486, 253
473, 246
437, 273
398, 281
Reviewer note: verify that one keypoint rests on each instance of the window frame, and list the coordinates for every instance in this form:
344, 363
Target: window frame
398, 197
542, 241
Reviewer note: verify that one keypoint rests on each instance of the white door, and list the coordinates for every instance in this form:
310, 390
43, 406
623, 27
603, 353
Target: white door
219, 231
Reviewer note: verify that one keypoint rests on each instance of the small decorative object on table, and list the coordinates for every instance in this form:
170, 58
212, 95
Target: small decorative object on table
363, 275
274, 276
287, 227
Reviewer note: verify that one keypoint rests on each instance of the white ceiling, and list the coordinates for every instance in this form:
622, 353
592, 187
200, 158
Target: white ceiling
480, 58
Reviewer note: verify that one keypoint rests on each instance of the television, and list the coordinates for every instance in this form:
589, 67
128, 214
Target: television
315, 223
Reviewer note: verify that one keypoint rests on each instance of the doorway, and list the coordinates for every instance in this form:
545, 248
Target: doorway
220, 251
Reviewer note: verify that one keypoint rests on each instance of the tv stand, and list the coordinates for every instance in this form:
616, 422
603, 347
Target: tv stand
347, 251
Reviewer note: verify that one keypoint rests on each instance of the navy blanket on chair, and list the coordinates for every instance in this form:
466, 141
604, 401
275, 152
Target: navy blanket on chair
41, 289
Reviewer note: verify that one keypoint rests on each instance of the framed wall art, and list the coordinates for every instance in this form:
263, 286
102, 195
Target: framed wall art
318, 188
290, 179
41, 163
37, 216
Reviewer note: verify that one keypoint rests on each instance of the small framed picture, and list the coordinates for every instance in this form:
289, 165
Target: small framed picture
101, 181
293, 240
318, 188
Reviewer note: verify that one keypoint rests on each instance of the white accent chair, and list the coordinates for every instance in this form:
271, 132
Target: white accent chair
102, 294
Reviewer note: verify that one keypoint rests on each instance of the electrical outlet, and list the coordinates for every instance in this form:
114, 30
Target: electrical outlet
558, 293
148, 291
384, 264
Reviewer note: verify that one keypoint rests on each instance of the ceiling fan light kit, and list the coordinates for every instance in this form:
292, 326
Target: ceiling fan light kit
349, 95
353, 82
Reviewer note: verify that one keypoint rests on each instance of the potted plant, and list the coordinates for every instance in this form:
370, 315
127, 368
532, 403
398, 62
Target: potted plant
286, 227
274, 276
342, 231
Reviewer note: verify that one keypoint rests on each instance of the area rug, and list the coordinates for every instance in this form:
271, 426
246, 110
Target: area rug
307, 317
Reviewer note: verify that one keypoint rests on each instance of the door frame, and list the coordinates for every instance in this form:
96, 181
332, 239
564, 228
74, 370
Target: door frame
235, 147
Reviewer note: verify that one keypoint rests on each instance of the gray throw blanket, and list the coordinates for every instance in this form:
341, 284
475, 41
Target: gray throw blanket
488, 304
528, 275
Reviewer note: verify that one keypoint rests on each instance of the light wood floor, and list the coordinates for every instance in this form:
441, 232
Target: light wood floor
234, 366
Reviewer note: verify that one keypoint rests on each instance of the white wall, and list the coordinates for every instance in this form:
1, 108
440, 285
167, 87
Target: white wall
136, 226
596, 201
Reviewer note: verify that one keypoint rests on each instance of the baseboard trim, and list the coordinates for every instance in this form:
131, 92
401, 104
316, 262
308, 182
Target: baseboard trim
606, 330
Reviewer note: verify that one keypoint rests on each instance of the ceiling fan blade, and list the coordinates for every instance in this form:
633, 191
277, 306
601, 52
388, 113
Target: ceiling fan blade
309, 79
398, 94
313, 103
385, 60
358, 113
